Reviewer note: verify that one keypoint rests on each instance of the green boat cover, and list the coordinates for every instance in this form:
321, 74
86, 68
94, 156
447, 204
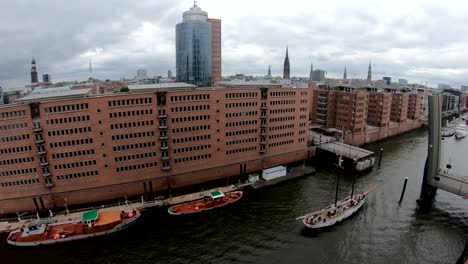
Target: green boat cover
216, 194
90, 216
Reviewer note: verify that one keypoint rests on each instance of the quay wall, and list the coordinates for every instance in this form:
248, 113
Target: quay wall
380, 133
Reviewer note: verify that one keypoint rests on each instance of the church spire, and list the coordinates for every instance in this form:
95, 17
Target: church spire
286, 70
33, 71
269, 71
369, 72
345, 74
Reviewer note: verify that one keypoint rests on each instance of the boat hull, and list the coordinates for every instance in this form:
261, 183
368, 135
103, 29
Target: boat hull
331, 221
176, 209
117, 228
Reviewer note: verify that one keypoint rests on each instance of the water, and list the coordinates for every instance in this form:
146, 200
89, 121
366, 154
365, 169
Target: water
261, 227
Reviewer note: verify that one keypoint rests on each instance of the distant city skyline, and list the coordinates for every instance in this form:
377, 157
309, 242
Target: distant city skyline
421, 41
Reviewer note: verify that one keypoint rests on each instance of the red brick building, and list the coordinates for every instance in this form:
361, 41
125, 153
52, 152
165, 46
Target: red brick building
414, 106
399, 107
378, 109
82, 148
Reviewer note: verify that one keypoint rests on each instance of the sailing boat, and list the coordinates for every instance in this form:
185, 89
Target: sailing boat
338, 211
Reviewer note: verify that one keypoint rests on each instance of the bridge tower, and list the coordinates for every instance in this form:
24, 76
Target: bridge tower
428, 191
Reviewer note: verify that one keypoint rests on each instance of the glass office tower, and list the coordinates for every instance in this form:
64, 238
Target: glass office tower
193, 48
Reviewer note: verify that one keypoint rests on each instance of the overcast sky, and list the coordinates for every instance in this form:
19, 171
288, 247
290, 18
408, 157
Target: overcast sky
420, 40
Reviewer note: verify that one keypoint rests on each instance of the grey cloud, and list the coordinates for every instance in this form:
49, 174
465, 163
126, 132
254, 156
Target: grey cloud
422, 41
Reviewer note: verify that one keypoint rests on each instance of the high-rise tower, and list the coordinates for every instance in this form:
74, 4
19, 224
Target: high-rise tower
33, 71
215, 50
369, 72
311, 74
194, 48
286, 70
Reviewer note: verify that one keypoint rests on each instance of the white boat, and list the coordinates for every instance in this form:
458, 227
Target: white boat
335, 213
461, 131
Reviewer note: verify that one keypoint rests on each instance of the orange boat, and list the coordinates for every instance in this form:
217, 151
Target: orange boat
93, 223
214, 200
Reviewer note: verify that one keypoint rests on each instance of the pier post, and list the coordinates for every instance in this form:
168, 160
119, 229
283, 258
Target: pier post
380, 158
403, 191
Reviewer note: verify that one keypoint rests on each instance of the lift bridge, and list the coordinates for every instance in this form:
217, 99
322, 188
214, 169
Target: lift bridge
437, 175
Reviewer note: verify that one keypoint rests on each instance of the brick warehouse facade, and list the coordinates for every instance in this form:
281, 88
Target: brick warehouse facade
89, 149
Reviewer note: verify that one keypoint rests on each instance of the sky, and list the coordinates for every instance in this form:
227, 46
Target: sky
423, 41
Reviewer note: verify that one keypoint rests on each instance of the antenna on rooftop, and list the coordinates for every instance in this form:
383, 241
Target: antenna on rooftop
195, 2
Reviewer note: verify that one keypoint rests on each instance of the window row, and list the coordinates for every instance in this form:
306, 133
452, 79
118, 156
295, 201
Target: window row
302, 124
186, 98
18, 172
13, 114
240, 150
278, 94
137, 167
13, 126
190, 118
240, 114
135, 156
282, 119
71, 143
132, 124
303, 117
241, 141
192, 158
303, 101
283, 102
303, 93
15, 150
66, 108
70, 131
241, 132
19, 183
134, 146
281, 143
242, 123
14, 138
192, 148
281, 111
16, 161
302, 132
131, 113
130, 102
190, 139
75, 165
66, 120
242, 104
281, 127
240, 95
189, 108
301, 139
190, 129
290, 134
77, 175
133, 135
303, 109
71, 154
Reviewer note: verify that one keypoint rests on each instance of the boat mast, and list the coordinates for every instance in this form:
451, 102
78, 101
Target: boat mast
354, 179
338, 180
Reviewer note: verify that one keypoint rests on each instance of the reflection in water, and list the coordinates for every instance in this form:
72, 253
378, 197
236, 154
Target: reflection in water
261, 228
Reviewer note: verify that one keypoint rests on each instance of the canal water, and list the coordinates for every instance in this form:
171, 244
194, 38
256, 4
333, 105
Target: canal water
261, 227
